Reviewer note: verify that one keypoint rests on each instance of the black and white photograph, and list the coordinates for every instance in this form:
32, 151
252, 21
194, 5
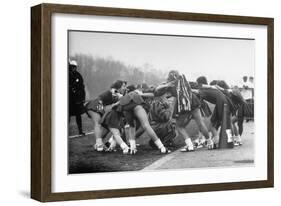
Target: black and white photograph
135, 102
144, 102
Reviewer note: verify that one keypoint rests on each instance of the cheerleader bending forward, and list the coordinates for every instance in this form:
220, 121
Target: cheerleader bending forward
96, 110
240, 108
131, 107
187, 107
214, 95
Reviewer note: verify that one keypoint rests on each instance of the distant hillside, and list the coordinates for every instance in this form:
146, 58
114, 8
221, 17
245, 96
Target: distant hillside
99, 73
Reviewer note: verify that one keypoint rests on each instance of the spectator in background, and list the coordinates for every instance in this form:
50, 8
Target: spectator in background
76, 95
245, 79
251, 82
251, 85
246, 91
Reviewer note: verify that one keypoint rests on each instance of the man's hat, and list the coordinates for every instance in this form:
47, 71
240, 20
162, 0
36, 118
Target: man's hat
73, 63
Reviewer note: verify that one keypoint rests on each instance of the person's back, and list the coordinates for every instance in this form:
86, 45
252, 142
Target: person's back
76, 90
160, 117
211, 95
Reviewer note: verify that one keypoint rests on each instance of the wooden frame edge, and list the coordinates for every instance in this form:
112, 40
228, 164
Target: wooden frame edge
270, 92
101, 194
41, 101
157, 14
36, 139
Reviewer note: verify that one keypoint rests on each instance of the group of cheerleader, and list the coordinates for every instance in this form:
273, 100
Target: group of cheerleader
126, 108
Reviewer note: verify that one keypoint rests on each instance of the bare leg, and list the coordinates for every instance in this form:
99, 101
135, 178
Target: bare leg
203, 129
237, 137
95, 117
142, 117
119, 140
132, 133
104, 132
140, 131
214, 131
182, 131
111, 144
132, 140
235, 130
200, 122
240, 125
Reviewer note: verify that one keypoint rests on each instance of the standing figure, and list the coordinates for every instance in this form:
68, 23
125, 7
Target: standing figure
76, 94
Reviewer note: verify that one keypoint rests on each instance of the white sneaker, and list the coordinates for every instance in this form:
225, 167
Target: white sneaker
164, 150
216, 142
202, 142
188, 147
112, 145
133, 151
111, 149
237, 141
198, 144
126, 150
133, 147
210, 144
99, 147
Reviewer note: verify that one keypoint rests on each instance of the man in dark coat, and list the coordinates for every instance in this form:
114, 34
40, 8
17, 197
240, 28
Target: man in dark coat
76, 96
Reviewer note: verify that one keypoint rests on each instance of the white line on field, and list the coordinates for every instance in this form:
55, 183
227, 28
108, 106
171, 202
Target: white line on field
161, 161
79, 135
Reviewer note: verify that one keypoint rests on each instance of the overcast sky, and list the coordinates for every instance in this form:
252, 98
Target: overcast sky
215, 58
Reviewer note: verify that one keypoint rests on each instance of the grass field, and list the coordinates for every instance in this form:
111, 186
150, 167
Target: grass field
83, 158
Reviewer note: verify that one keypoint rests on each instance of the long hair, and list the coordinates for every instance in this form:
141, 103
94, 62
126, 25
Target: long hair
118, 84
173, 75
202, 80
220, 83
214, 82
131, 88
223, 84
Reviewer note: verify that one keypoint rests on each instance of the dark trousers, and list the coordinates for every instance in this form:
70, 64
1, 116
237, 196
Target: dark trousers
78, 122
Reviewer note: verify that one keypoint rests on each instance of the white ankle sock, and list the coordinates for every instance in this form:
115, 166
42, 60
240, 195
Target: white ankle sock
158, 143
189, 143
132, 143
123, 146
112, 142
99, 141
229, 135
